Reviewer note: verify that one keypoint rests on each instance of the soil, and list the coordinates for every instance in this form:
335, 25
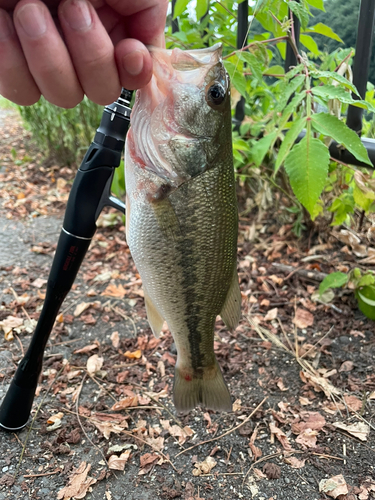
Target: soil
295, 367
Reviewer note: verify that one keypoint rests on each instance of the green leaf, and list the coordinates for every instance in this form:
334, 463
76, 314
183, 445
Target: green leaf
331, 126
289, 140
363, 200
300, 11
318, 4
289, 89
307, 168
335, 76
332, 92
367, 279
260, 148
322, 29
201, 8
180, 7
310, 44
333, 280
254, 65
239, 81
274, 70
290, 108
281, 46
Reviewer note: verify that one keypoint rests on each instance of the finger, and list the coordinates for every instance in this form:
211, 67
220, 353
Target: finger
91, 50
145, 19
16, 81
46, 54
134, 63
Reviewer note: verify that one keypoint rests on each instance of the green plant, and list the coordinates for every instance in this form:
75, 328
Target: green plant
363, 285
62, 134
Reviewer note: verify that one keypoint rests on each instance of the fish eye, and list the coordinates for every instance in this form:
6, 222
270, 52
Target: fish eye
215, 94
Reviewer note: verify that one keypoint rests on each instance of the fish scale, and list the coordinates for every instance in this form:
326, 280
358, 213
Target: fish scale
183, 237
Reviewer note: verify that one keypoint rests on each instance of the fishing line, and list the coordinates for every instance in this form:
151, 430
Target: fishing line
245, 39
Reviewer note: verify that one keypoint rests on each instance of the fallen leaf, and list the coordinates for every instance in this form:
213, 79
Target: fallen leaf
236, 405
115, 291
271, 314
38, 283
307, 438
281, 436
303, 318
133, 355
148, 458
94, 364
125, 403
204, 467
310, 420
52, 419
107, 428
115, 338
118, 463
79, 483
87, 348
294, 462
271, 470
9, 323
347, 366
81, 307
319, 384
353, 403
359, 430
334, 486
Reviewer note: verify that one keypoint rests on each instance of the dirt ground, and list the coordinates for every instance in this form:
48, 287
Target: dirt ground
103, 425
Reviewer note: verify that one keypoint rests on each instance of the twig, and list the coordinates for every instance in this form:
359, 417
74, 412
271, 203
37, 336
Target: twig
121, 313
43, 474
225, 433
313, 275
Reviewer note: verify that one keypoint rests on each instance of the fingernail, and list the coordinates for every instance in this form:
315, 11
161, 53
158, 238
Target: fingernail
32, 19
5, 26
77, 14
133, 63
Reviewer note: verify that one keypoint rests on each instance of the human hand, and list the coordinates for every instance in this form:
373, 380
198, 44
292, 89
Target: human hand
63, 49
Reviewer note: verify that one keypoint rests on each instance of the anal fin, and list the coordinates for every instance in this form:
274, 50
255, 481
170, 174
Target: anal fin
231, 311
154, 317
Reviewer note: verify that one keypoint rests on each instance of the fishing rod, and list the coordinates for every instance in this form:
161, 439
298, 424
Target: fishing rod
90, 193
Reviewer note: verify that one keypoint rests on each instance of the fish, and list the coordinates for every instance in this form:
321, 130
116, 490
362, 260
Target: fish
182, 216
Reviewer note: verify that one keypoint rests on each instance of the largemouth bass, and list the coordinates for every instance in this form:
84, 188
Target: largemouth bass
181, 213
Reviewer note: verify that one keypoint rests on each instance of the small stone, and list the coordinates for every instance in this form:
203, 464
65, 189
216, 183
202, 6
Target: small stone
344, 339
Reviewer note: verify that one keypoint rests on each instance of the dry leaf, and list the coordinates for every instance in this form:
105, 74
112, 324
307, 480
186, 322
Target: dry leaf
334, 486
347, 366
79, 483
52, 419
310, 420
9, 323
38, 283
118, 463
353, 403
125, 403
148, 458
115, 338
106, 428
319, 384
236, 405
307, 438
359, 430
81, 307
204, 467
133, 355
115, 291
303, 318
94, 364
294, 462
87, 348
271, 314
281, 436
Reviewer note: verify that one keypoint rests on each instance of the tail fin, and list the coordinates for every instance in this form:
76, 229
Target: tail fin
210, 391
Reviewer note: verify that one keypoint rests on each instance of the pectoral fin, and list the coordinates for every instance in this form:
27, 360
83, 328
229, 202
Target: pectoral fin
155, 319
231, 311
